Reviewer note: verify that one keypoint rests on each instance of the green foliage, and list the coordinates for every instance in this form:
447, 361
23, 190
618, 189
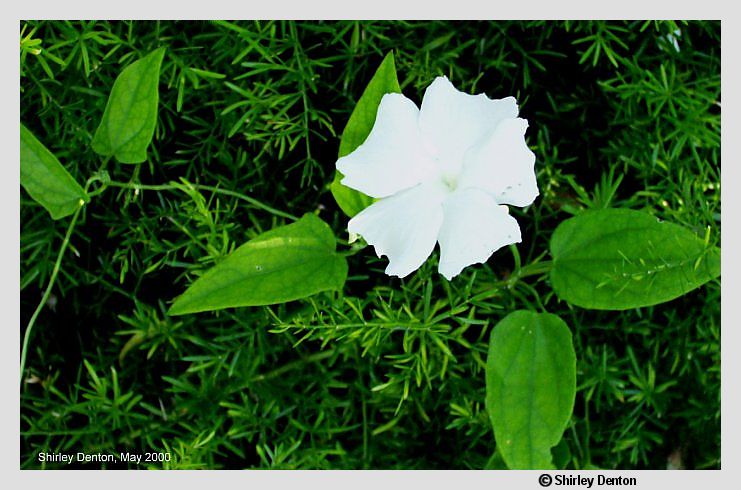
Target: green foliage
358, 128
130, 116
530, 386
391, 371
284, 264
617, 259
46, 180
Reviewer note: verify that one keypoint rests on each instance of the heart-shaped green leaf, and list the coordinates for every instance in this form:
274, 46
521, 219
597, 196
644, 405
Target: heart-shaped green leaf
616, 259
358, 128
530, 386
286, 263
46, 180
130, 116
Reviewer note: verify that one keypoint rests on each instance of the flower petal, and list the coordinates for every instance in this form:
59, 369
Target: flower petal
451, 121
474, 227
403, 227
391, 158
503, 165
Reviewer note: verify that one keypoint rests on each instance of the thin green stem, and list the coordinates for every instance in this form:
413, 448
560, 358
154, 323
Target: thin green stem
534, 269
47, 292
355, 247
55, 270
200, 187
294, 365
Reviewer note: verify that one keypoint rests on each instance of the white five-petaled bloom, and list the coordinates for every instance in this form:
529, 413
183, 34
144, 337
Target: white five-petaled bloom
444, 173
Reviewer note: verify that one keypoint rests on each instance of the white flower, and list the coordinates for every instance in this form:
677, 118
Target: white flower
443, 174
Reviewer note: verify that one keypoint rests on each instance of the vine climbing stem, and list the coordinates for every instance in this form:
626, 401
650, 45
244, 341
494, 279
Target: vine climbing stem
47, 292
55, 271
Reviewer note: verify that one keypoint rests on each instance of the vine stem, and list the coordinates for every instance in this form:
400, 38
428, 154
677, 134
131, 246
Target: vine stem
226, 192
47, 292
321, 355
536, 269
55, 270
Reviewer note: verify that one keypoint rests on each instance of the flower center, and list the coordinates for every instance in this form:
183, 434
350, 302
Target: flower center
450, 181
448, 166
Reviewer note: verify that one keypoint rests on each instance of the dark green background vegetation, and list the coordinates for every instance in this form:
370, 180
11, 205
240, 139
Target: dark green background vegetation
390, 374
